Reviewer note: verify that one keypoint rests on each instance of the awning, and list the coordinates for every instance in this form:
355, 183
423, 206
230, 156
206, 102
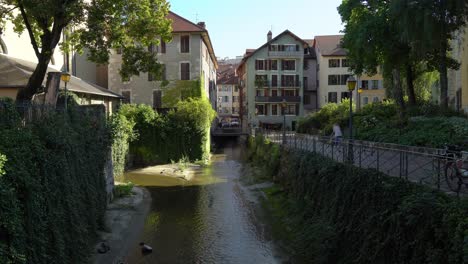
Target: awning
15, 73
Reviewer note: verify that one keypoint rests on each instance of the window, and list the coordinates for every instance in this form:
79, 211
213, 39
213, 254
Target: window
163, 72
236, 89
305, 83
260, 109
344, 79
235, 99
306, 64
332, 97
375, 84
152, 48
344, 95
273, 47
260, 65
334, 79
261, 81
150, 77
290, 80
333, 63
163, 46
274, 80
260, 92
289, 93
307, 100
375, 100
274, 109
274, 93
235, 110
365, 100
157, 99
365, 84
290, 109
185, 71
288, 65
225, 99
344, 63
273, 65
119, 50
185, 44
291, 47
127, 98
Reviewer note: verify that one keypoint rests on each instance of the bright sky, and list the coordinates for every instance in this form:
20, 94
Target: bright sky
235, 25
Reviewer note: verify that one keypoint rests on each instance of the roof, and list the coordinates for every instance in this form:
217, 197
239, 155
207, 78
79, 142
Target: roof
15, 73
226, 74
330, 45
250, 52
311, 42
183, 25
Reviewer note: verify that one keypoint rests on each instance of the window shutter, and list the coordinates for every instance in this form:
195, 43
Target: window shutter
164, 78
297, 47
297, 80
163, 46
282, 65
380, 84
157, 99
150, 77
297, 109
256, 64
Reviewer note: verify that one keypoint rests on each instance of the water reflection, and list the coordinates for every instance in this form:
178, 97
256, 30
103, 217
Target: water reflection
206, 220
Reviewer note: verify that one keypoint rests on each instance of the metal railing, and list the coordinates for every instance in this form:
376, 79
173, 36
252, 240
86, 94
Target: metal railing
419, 165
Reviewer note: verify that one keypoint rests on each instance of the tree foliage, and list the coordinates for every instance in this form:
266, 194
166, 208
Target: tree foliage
97, 26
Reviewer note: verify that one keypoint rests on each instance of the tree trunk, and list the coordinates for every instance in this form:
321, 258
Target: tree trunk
410, 85
398, 92
36, 79
443, 75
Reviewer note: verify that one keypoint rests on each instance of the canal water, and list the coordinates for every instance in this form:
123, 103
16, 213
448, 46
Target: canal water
210, 219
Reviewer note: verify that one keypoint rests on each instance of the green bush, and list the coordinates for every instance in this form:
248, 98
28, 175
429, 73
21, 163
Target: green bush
324, 119
123, 190
343, 214
156, 139
53, 191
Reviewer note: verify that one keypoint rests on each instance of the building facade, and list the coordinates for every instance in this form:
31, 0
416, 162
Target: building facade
188, 60
333, 72
228, 94
272, 77
458, 79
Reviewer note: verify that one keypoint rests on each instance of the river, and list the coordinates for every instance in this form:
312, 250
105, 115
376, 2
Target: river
213, 218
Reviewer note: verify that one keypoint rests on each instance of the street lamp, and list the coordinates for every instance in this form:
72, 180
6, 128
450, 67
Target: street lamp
283, 107
351, 82
65, 77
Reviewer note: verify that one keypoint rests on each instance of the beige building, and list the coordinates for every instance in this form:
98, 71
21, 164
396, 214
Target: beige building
227, 93
189, 60
333, 71
458, 80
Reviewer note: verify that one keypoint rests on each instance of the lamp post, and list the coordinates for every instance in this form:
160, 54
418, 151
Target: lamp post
351, 83
65, 77
283, 107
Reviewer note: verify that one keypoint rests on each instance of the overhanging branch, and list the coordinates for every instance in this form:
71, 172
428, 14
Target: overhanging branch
30, 31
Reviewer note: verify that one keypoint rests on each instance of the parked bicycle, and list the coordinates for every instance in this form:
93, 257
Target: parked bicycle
456, 174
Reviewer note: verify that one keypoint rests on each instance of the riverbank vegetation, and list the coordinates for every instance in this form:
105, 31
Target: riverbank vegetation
335, 213
52, 184
143, 137
425, 125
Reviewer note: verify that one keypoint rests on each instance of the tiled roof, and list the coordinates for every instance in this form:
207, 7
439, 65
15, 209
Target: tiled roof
330, 45
226, 74
180, 24
311, 42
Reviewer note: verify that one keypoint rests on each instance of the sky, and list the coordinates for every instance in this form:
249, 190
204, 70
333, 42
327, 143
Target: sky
236, 25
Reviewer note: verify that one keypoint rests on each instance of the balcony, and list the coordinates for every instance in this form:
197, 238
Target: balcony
285, 54
290, 84
277, 99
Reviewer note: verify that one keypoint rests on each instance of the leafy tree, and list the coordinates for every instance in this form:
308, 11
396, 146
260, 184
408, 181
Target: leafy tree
428, 26
372, 40
97, 25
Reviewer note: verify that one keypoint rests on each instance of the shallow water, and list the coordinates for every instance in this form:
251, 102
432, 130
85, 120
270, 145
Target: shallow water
210, 219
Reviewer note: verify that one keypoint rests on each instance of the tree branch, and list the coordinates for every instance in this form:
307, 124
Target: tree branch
30, 31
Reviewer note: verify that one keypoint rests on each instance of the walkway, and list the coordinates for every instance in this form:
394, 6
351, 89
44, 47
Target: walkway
419, 165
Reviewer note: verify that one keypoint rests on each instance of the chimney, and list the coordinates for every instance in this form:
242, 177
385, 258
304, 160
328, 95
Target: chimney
202, 24
269, 36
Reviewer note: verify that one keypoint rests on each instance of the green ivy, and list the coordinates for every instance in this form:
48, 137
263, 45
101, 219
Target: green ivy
342, 214
53, 193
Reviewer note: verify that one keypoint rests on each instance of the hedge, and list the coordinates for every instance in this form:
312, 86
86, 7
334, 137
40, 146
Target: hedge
342, 214
52, 191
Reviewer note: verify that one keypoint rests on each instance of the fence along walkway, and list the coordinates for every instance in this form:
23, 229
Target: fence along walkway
420, 165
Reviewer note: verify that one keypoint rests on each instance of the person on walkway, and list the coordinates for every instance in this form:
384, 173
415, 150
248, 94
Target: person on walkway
337, 135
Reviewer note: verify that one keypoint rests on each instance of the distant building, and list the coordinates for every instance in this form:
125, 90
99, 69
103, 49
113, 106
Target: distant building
458, 79
189, 61
228, 95
272, 79
333, 72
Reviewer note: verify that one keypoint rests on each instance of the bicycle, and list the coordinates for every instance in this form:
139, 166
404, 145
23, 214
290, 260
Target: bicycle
455, 174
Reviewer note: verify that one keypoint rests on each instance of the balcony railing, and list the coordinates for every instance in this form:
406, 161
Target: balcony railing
291, 84
277, 99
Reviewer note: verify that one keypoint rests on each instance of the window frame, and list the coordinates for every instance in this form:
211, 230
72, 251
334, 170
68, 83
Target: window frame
181, 50
180, 70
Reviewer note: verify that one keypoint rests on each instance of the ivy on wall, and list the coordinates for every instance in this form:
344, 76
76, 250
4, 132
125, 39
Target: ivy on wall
342, 214
52, 191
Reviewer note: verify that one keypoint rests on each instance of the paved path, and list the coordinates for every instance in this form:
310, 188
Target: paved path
420, 167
